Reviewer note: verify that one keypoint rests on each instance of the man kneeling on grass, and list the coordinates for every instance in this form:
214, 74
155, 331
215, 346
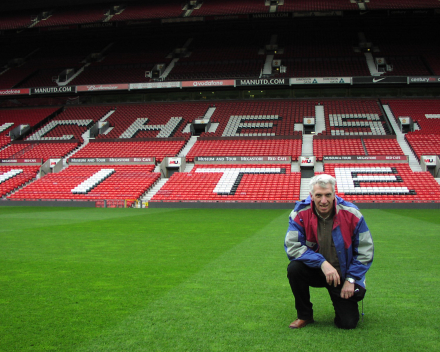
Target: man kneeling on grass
329, 245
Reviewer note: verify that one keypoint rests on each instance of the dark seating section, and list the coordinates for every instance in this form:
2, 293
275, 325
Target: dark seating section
309, 52
75, 15
140, 11
325, 67
406, 53
233, 183
230, 7
221, 55
127, 59
40, 63
16, 20
433, 58
305, 5
36, 102
403, 4
383, 183
171, 9
407, 66
317, 53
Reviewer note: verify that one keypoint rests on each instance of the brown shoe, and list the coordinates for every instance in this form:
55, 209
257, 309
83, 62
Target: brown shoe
299, 323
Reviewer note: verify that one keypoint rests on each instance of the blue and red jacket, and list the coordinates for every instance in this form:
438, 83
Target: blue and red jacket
351, 236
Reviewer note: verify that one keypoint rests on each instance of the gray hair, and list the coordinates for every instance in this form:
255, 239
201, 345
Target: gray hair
322, 180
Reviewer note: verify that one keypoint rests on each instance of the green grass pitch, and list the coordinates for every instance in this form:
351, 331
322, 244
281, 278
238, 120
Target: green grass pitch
201, 280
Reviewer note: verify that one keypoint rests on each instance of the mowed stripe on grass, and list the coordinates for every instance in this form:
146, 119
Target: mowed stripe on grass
68, 274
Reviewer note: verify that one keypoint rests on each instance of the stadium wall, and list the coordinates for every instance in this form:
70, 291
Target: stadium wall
39, 203
258, 205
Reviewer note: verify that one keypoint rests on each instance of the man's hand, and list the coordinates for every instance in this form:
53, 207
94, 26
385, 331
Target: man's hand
331, 274
347, 290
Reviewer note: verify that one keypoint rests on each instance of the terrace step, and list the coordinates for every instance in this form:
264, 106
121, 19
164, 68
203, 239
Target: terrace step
413, 162
307, 145
304, 190
188, 146
153, 190
189, 167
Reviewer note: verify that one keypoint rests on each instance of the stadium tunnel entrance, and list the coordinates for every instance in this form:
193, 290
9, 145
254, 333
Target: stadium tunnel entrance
171, 165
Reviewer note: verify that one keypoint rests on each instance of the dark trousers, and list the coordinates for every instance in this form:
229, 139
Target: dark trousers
302, 277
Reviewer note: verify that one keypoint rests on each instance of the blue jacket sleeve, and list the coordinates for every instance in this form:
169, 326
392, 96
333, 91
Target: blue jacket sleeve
363, 251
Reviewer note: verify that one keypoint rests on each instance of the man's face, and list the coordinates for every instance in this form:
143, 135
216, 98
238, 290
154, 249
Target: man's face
323, 199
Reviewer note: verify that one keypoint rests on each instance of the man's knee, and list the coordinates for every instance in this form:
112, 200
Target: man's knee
294, 269
347, 323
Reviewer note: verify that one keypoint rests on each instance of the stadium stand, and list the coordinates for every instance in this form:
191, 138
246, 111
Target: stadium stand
12, 177
230, 7
353, 117
4, 141
304, 5
222, 56
233, 183
37, 102
333, 147
124, 61
426, 144
131, 149
124, 182
426, 115
317, 53
16, 20
12, 118
74, 15
43, 151
160, 120
41, 64
382, 146
407, 66
236, 118
324, 66
264, 118
405, 4
246, 147
115, 59
425, 112
141, 11
383, 183
70, 124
